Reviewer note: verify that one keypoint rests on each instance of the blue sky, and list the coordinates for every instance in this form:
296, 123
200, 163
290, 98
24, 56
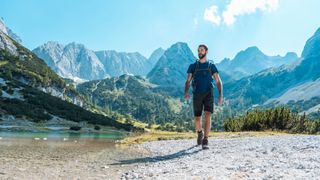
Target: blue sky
275, 26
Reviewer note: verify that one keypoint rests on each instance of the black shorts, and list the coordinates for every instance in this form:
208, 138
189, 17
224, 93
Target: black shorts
202, 101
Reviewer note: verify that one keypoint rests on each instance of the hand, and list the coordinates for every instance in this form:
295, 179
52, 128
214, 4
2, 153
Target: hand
220, 100
187, 96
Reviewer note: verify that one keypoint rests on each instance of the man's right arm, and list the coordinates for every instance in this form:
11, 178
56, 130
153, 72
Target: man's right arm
187, 86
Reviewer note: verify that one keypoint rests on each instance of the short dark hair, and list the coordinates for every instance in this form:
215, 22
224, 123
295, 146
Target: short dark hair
204, 46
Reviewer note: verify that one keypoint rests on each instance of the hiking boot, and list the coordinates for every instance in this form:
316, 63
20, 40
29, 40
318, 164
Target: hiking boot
205, 143
200, 137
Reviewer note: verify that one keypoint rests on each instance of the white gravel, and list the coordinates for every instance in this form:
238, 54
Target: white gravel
270, 157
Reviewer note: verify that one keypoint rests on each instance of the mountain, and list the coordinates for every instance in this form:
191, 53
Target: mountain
312, 46
18, 63
75, 61
275, 83
6, 30
71, 61
30, 90
132, 95
304, 97
118, 63
251, 61
171, 68
155, 56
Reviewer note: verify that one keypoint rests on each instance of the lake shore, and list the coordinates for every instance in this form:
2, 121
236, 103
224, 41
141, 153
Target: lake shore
244, 155
41, 158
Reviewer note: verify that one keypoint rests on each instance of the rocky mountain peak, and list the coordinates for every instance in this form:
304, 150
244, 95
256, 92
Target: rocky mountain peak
312, 47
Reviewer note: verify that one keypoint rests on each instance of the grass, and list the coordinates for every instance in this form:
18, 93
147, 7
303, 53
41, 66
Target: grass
3, 63
155, 135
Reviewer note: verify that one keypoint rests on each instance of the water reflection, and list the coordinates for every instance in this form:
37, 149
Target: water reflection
63, 135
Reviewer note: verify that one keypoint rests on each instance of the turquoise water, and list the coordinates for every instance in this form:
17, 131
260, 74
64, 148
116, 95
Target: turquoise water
65, 135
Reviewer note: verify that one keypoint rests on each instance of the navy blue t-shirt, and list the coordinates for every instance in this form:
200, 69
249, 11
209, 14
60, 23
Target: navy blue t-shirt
203, 77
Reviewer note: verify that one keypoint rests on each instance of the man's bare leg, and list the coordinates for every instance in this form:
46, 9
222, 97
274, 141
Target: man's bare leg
198, 127
198, 123
207, 123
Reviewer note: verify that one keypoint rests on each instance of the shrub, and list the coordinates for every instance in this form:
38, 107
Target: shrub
75, 128
96, 127
280, 118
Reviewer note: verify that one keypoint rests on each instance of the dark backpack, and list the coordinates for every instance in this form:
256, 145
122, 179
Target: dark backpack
197, 70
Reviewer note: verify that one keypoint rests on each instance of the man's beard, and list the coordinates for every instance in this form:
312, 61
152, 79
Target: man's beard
201, 55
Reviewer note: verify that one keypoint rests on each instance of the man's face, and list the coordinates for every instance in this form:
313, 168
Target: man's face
202, 52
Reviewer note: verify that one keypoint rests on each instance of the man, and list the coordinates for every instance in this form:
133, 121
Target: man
201, 73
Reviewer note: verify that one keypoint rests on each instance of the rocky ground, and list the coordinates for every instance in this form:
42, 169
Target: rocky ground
63, 159
271, 157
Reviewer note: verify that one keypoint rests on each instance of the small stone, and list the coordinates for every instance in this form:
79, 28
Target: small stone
135, 175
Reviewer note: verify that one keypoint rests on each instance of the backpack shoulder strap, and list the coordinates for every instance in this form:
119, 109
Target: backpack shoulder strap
209, 68
196, 64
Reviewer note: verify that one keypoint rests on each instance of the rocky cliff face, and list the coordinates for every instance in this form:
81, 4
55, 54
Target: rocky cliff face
72, 60
155, 56
75, 61
118, 63
171, 68
312, 47
6, 30
5, 41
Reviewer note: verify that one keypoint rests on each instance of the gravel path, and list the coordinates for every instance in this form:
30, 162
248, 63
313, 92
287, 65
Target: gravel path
270, 157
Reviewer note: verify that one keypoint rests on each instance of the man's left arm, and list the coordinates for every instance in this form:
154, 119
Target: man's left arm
219, 86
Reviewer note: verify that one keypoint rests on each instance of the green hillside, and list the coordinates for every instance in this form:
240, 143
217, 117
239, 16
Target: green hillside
135, 96
24, 78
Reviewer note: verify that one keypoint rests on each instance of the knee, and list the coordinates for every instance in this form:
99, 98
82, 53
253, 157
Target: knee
197, 118
207, 114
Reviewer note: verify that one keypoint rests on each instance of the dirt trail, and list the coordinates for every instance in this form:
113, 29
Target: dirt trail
271, 157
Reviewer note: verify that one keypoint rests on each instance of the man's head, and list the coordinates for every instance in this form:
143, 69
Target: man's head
202, 51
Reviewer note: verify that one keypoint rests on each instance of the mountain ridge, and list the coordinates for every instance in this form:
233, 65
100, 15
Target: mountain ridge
66, 61
251, 61
275, 82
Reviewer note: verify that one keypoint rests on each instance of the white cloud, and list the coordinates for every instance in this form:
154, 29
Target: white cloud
241, 7
211, 15
237, 8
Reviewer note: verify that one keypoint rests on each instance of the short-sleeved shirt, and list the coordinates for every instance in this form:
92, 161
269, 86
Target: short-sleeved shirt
203, 77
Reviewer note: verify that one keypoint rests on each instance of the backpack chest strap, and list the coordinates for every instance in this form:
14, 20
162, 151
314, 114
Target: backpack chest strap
199, 69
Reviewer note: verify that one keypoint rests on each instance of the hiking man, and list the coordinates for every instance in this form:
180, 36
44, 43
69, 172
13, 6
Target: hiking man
200, 73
